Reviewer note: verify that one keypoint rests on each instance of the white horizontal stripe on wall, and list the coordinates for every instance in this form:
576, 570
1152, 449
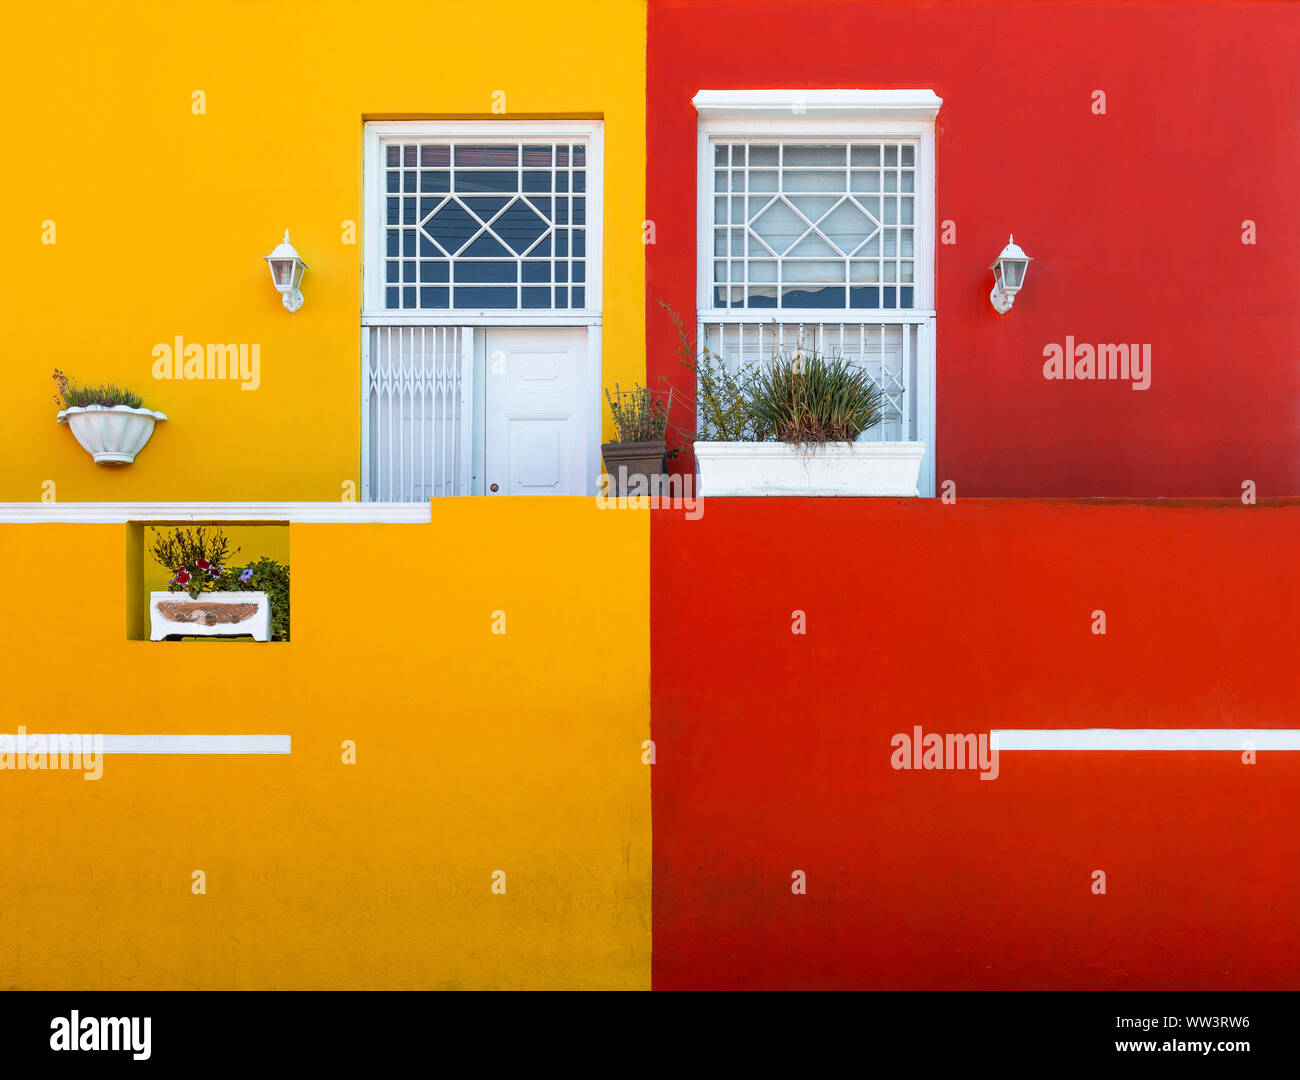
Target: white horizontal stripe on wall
113, 513
1147, 738
157, 744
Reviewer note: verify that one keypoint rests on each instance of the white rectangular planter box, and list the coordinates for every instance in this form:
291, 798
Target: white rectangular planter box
213, 614
844, 469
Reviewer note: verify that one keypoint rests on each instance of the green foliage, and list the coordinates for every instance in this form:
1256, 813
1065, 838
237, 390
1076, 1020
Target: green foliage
639, 415
724, 401
71, 395
805, 397
272, 578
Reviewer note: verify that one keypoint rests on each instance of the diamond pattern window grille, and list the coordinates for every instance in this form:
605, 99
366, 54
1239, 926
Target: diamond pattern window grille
498, 227
814, 225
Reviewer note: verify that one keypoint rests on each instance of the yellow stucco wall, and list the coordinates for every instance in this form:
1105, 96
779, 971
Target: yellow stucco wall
475, 752
161, 215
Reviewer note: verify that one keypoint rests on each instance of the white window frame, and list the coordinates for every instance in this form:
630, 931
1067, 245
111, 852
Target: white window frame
487, 132
479, 321
829, 115
813, 115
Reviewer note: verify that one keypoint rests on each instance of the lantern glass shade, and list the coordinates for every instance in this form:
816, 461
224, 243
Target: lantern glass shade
286, 266
1010, 266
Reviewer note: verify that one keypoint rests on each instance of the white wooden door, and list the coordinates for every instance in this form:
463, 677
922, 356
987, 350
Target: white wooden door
536, 422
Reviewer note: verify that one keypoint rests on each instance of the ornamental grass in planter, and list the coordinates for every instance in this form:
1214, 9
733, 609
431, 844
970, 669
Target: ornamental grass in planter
110, 422
791, 426
208, 597
637, 458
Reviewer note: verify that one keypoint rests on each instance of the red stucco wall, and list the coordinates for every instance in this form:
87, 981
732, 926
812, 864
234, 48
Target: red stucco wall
1134, 219
773, 749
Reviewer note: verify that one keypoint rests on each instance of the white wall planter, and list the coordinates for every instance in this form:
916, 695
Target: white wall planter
111, 435
841, 468
213, 614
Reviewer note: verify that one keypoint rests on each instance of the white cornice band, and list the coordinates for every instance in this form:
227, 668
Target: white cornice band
734, 105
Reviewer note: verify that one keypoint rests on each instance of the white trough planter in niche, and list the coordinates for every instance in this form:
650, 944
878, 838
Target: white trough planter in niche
213, 614
839, 468
112, 435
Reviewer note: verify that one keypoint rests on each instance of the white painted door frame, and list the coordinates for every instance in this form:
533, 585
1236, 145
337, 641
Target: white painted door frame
481, 322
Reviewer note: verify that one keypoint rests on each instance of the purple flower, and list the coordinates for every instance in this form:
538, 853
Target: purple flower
243, 577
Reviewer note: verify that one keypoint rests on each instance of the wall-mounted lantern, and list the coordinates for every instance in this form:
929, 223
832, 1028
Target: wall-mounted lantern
286, 273
1008, 276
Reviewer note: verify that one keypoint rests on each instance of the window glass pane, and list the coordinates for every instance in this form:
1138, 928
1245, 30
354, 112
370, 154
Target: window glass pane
813, 222
812, 298
795, 155
477, 272
485, 298
866, 181
487, 218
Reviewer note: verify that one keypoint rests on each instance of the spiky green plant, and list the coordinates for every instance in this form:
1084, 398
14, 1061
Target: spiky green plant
802, 396
639, 415
71, 395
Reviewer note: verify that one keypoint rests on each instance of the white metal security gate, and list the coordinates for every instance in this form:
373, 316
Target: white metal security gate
415, 417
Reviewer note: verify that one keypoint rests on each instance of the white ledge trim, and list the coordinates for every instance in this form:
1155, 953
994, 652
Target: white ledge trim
1233, 739
113, 513
828, 104
25, 742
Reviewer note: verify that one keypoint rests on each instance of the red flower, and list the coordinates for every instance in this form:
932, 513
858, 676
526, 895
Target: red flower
203, 564
183, 577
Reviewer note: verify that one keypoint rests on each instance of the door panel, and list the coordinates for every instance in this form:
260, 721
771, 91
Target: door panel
536, 423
